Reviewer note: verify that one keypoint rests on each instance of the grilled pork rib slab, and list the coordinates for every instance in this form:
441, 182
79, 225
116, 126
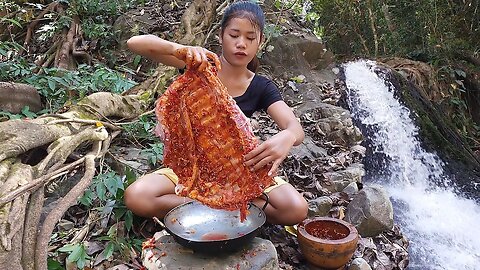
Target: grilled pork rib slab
206, 137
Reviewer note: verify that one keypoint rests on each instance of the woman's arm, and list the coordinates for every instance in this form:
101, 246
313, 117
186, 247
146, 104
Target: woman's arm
275, 149
170, 53
286, 120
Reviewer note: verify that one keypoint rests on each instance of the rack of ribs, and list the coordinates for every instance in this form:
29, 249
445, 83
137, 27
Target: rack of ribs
206, 137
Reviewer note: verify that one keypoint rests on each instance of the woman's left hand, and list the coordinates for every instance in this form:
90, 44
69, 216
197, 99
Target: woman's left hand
272, 151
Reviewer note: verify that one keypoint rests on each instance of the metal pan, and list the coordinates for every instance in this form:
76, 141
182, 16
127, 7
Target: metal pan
209, 230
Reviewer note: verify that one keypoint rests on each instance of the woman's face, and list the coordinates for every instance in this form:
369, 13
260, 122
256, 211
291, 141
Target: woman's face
240, 42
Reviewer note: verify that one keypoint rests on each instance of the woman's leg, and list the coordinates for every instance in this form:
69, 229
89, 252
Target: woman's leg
152, 195
286, 205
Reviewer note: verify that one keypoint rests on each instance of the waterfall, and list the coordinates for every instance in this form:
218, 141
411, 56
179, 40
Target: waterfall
442, 226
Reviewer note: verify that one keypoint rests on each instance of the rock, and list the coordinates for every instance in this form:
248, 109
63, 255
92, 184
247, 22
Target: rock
351, 189
370, 211
301, 51
308, 149
359, 264
260, 254
332, 122
15, 96
320, 206
339, 180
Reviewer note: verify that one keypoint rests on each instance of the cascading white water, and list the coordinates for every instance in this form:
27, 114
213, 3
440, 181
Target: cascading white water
443, 227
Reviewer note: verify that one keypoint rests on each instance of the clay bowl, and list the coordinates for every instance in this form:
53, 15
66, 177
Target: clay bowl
327, 242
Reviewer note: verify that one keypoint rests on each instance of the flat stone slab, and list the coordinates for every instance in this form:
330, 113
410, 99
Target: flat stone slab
260, 254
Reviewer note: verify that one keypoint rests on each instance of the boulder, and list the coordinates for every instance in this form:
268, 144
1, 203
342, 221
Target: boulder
15, 96
320, 206
370, 211
167, 254
339, 180
351, 189
308, 149
296, 53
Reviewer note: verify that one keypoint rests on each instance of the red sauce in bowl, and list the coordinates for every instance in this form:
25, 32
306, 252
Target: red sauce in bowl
327, 230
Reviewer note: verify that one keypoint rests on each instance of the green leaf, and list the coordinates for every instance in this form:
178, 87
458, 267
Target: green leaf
101, 191
54, 265
112, 232
113, 183
128, 220
137, 60
26, 111
120, 211
109, 249
11, 21
87, 198
51, 85
77, 252
67, 248
130, 176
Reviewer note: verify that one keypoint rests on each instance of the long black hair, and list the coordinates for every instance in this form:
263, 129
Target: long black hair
250, 11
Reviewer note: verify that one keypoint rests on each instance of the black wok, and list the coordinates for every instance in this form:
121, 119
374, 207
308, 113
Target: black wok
209, 230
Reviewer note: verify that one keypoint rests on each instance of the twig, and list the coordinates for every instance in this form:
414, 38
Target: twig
131, 122
39, 181
95, 111
84, 121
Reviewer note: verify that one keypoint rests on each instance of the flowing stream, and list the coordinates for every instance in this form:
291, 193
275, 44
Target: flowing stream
442, 226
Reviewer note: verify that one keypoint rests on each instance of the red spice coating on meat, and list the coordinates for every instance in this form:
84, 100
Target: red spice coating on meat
206, 137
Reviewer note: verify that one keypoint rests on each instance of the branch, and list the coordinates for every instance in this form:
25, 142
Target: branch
38, 182
34, 23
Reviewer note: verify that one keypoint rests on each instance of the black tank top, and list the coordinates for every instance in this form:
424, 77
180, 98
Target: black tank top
260, 94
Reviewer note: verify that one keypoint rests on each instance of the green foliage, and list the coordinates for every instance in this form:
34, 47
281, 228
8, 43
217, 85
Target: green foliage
54, 265
143, 129
77, 253
154, 153
105, 194
98, 17
105, 187
118, 243
57, 86
424, 30
26, 113
303, 10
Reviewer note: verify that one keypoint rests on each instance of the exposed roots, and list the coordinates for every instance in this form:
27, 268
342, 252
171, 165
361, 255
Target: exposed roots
196, 21
62, 206
23, 246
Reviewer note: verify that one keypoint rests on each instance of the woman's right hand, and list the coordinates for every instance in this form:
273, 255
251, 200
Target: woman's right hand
196, 57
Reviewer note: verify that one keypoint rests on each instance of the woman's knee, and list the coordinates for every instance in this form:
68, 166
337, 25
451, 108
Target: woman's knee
145, 189
291, 207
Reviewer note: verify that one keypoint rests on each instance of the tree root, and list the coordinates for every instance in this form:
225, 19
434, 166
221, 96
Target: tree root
36, 183
21, 183
196, 20
62, 206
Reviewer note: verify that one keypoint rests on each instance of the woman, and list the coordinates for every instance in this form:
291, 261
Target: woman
240, 36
